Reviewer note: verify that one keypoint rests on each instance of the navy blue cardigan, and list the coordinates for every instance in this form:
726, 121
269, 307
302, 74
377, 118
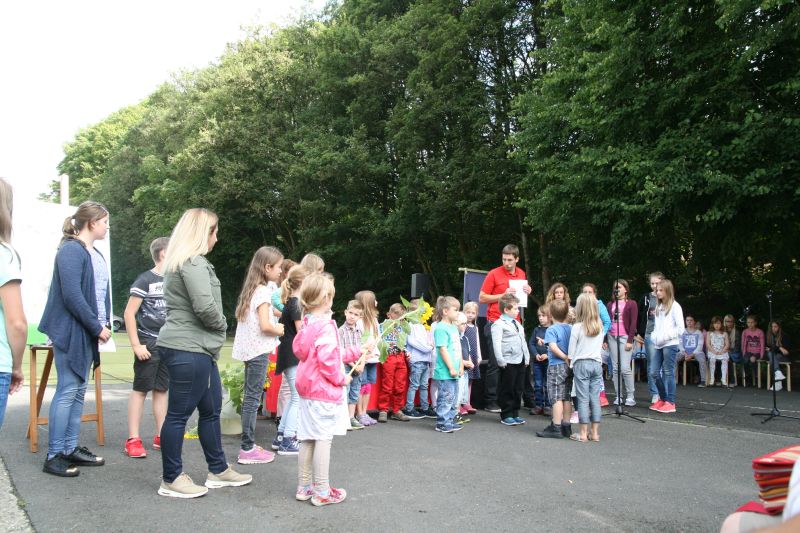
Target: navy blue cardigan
70, 316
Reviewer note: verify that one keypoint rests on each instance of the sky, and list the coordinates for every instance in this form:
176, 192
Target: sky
68, 65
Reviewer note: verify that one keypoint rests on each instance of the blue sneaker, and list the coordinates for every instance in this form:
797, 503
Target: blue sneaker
509, 421
519, 421
456, 427
444, 428
413, 414
289, 446
276, 442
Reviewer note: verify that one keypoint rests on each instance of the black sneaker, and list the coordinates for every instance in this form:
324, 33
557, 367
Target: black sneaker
413, 414
59, 465
429, 413
81, 456
566, 431
550, 432
493, 408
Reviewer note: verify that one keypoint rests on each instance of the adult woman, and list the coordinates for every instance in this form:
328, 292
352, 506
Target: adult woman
620, 339
13, 326
666, 334
76, 318
190, 341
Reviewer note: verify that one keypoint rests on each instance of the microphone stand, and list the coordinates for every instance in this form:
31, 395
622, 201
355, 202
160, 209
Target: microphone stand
619, 409
774, 413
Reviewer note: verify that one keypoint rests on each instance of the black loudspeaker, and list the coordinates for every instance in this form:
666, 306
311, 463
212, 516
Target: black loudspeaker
420, 285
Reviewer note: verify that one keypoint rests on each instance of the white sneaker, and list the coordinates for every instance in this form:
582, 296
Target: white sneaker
654, 399
630, 402
777, 386
779, 375
182, 487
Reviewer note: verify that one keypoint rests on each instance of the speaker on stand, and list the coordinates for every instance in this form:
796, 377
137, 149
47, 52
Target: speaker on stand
420, 285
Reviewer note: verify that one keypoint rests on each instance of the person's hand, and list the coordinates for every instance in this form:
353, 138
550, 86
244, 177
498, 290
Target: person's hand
511, 290
469, 364
368, 346
141, 352
279, 330
527, 288
17, 379
453, 372
105, 334
605, 346
752, 358
541, 358
540, 341
628, 346
360, 366
784, 351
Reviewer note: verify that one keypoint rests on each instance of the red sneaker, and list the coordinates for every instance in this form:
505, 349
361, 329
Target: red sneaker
470, 410
463, 411
334, 496
157, 442
667, 407
134, 448
657, 406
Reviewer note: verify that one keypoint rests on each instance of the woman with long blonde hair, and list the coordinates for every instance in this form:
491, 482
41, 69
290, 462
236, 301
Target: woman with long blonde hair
369, 325
585, 344
190, 342
14, 335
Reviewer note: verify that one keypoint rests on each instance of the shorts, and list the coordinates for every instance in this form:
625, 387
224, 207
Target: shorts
152, 373
370, 375
559, 383
354, 391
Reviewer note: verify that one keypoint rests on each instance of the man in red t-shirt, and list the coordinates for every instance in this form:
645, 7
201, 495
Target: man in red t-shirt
495, 285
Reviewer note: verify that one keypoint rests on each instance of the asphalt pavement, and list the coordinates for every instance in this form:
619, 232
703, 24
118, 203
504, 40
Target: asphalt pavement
682, 472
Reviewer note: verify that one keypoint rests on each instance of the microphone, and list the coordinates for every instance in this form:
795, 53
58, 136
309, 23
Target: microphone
745, 312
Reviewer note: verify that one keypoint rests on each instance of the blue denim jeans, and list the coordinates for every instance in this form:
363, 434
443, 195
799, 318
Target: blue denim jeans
67, 406
193, 384
540, 383
736, 357
588, 375
663, 372
446, 401
5, 385
354, 391
288, 425
418, 375
650, 349
255, 374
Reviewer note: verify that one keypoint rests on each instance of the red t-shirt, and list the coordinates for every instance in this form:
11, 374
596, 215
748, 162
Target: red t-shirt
496, 282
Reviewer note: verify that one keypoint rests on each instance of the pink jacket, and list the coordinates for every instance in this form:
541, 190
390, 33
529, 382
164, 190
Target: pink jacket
320, 374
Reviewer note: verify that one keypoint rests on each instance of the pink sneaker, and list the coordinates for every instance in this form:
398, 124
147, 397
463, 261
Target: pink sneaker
463, 411
257, 455
334, 496
667, 407
657, 405
303, 494
470, 410
157, 442
574, 418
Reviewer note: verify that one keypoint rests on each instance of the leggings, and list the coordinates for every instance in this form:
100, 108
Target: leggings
315, 457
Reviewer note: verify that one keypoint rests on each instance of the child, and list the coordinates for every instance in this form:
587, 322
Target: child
691, 347
321, 382
420, 356
313, 263
667, 331
777, 346
144, 316
392, 395
717, 351
368, 325
753, 344
511, 352
350, 335
471, 332
448, 366
277, 304
285, 441
257, 332
559, 380
539, 362
463, 381
585, 343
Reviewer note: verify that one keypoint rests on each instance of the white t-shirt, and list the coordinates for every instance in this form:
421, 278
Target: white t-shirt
375, 357
250, 341
9, 270
582, 346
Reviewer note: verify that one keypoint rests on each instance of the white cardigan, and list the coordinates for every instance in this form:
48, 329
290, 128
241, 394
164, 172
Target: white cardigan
668, 326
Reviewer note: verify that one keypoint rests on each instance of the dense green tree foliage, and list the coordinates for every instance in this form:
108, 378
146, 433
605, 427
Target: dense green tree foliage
395, 137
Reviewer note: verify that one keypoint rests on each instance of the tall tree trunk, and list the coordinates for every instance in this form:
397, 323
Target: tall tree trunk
545, 266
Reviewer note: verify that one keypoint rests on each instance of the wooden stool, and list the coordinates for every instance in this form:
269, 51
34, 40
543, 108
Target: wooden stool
37, 395
788, 374
733, 367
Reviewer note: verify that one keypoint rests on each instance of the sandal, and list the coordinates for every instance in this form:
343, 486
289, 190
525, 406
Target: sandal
594, 440
576, 437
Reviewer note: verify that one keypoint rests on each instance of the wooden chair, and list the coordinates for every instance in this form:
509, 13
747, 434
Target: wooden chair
37, 395
788, 373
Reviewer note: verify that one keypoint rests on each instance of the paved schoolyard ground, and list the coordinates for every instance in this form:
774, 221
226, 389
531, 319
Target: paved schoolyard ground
673, 473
